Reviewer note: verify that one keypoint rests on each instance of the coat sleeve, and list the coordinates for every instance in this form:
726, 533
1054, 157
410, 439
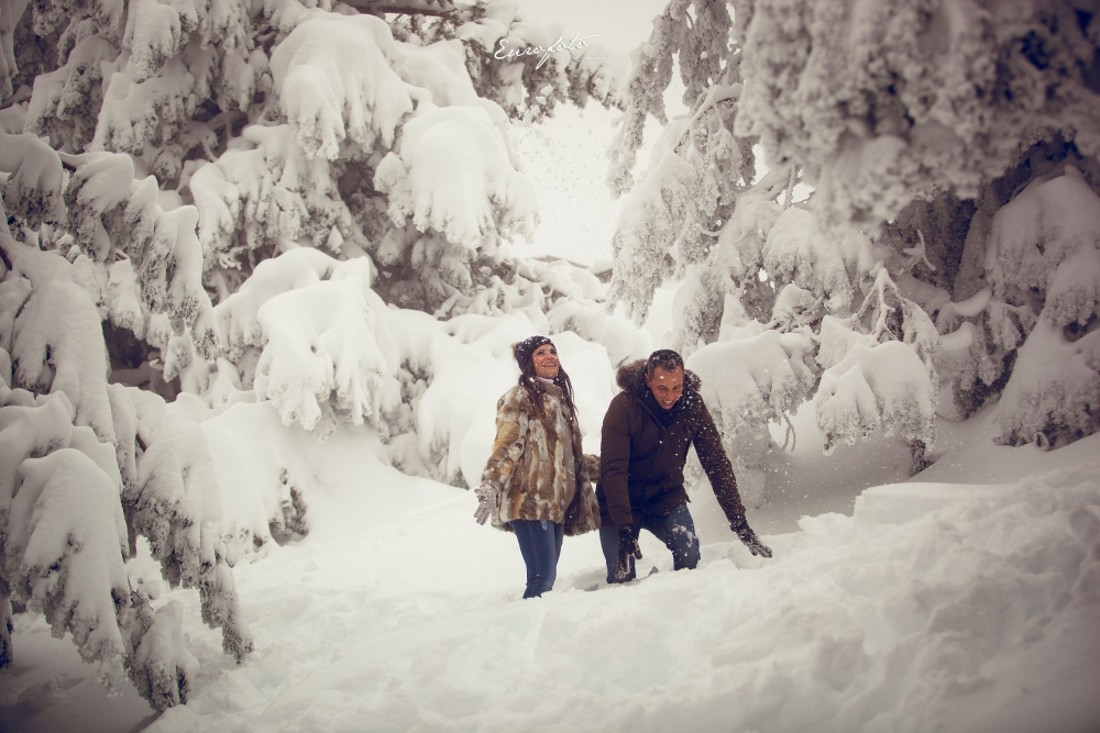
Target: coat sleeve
615, 461
716, 464
509, 442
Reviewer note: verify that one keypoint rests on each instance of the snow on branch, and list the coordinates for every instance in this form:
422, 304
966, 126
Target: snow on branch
882, 387
748, 384
335, 80
136, 113
1031, 237
64, 551
327, 352
58, 347
176, 504
63, 542
32, 189
1044, 254
452, 174
114, 213
755, 380
156, 32
652, 219
797, 251
1053, 395
10, 12
652, 64
879, 101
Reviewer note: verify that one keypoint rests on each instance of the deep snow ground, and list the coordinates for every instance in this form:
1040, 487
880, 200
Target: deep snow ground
963, 600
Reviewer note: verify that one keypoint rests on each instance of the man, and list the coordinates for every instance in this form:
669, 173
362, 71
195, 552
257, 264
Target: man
647, 431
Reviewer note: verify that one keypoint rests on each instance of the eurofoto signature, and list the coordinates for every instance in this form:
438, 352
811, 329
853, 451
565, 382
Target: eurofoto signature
577, 42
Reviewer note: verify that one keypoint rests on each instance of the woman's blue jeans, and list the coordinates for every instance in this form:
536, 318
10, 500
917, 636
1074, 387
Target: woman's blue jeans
677, 531
540, 544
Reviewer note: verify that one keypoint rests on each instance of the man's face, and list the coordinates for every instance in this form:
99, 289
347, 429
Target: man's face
666, 386
545, 360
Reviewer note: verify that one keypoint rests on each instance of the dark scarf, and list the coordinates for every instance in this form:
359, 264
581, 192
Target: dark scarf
665, 417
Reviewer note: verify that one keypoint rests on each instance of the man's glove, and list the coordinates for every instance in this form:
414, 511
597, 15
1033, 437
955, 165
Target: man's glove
486, 502
628, 550
744, 532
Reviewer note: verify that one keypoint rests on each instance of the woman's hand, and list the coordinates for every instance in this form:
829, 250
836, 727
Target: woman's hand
487, 496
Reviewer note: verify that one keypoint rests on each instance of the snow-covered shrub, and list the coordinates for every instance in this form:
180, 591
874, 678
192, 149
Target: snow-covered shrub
910, 157
153, 154
57, 346
71, 448
1043, 257
63, 543
326, 353
882, 388
113, 214
748, 384
468, 365
64, 550
1053, 394
176, 504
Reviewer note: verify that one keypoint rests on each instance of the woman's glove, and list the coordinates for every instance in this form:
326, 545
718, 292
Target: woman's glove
744, 532
487, 495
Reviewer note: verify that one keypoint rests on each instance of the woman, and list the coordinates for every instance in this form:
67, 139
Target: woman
536, 481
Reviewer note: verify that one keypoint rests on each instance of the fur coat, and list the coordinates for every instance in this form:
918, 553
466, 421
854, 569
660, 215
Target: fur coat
537, 465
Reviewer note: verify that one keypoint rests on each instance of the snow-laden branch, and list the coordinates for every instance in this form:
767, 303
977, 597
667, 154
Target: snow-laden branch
452, 174
176, 504
63, 544
113, 212
326, 351
882, 387
32, 189
335, 79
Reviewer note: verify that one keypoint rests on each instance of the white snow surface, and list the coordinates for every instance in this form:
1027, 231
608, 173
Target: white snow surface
965, 599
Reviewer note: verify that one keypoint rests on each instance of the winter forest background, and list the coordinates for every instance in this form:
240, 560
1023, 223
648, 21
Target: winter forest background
237, 234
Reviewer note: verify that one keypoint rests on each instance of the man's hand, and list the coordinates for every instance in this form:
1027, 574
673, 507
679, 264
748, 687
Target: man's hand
486, 502
628, 550
744, 532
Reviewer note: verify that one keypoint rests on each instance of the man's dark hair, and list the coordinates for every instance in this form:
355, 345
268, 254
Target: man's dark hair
666, 359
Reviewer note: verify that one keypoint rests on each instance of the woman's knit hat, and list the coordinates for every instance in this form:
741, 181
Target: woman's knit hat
524, 349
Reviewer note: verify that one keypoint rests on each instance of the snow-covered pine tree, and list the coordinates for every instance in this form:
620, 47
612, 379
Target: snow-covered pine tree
153, 156
913, 124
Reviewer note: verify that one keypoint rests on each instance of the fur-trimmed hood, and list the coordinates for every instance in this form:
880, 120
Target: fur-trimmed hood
630, 378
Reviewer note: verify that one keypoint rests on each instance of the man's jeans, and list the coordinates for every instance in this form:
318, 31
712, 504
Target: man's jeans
540, 544
677, 531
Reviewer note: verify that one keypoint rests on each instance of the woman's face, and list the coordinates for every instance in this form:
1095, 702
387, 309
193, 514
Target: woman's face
545, 361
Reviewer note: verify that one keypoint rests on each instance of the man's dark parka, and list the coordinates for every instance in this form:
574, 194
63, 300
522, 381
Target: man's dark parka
642, 458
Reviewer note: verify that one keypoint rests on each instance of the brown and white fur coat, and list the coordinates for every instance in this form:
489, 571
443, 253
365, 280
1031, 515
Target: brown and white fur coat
537, 464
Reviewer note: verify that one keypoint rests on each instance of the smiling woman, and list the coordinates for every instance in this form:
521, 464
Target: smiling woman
536, 481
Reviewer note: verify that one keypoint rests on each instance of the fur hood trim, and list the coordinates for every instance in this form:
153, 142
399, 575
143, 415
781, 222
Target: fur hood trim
629, 378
